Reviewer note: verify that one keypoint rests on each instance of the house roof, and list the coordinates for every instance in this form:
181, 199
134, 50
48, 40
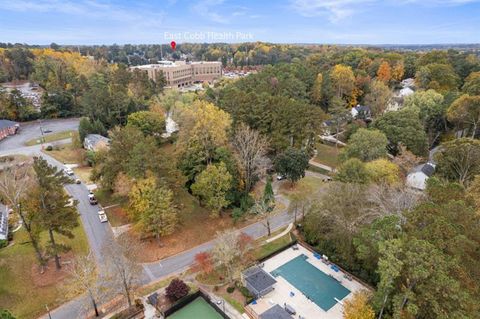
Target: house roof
428, 169
259, 279
7, 123
93, 139
276, 312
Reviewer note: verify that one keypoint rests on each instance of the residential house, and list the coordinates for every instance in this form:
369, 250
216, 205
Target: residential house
418, 177
95, 142
8, 128
361, 112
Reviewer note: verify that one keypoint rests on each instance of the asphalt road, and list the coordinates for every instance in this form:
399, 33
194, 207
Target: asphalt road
31, 130
98, 233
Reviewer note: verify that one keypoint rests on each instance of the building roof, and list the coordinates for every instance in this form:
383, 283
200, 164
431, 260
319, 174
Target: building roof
428, 169
93, 139
259, 279
276, 312
7, 123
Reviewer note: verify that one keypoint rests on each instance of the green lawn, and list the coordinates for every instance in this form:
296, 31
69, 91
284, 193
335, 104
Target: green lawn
17, 292
67, 154
308, 185
328, 155
267, 249
50, 138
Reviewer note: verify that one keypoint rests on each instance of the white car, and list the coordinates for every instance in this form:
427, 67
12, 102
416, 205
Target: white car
68, 171
281, 177
102, 216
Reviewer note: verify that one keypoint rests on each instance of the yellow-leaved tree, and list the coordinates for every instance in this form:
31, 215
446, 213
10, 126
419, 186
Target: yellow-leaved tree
152, 208
383, 171
357, 307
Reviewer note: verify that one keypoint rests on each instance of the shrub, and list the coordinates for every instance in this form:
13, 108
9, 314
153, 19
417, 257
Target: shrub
3, 243
49, 148
237, 214
230, 289
176, 290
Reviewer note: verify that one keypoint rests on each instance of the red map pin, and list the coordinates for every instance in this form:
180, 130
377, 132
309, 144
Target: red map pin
173, 44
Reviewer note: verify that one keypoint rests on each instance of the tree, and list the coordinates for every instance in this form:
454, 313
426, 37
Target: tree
229, 252
459, 160
343, 83
204, 262
292, 164
124, 274
212, 185
383, 171
83, 279
403, 126
335, 218
5, 314
432, 110
466, 111
437, 76
150, 123
152, 208
352, 170
317, 93
49, 201
176, 290
357, 307
204, 125
265, 205
366, 145
14, 184
384, 72
378, 97
472, 84
251, 151
398, 71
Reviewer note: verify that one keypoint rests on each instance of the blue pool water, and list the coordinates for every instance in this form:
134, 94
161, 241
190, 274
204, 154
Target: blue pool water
312, 282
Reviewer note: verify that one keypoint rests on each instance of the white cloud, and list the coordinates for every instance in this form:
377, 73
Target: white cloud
336, 10
207, 9
90, 9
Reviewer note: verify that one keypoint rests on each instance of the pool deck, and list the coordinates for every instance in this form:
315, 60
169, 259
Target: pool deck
304, 307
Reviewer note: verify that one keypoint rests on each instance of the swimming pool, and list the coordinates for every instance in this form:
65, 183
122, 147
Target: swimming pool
198, 309
312, 282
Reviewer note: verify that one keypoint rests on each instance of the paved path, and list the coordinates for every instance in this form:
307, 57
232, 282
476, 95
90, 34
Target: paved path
319, 165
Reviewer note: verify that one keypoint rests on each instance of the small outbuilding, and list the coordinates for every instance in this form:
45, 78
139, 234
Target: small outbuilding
276, 312
258, 281
418, 177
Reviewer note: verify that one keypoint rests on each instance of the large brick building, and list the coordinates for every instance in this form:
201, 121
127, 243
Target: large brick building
7, 128
181, 73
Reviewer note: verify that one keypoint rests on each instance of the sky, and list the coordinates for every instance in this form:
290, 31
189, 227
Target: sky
281, 21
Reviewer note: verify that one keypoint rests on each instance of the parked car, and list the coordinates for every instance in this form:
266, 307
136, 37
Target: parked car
280, 177
92, 200
102, 216
68, 171
78, 181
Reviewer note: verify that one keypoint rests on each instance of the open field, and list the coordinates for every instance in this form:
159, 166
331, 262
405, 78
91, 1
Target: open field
50, 138
66, 154
327, 155
308, 185
23, 290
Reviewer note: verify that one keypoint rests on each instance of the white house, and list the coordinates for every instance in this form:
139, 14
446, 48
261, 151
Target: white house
418, 177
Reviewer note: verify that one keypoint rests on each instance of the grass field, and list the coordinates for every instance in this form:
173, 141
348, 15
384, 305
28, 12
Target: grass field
50, 138
309, 185
83, 174
327, 155
66, 154
267, 249
18, 293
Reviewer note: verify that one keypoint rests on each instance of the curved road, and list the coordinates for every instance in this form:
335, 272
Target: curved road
98, 233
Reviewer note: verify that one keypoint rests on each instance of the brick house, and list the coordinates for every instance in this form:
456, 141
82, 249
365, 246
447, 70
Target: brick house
7, 128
